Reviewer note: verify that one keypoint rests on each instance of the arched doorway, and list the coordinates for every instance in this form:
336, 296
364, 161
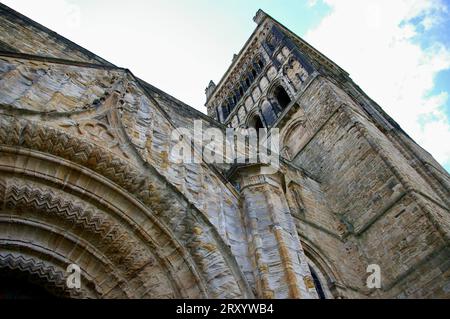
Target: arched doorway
83, 188
322, 273
14, 286
60, 206
281, 97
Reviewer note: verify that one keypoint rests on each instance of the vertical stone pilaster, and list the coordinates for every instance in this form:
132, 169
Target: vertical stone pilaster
281, 270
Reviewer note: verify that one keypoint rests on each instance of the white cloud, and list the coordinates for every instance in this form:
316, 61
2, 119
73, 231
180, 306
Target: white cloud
374, 41
312, 3
178, 46
157, 40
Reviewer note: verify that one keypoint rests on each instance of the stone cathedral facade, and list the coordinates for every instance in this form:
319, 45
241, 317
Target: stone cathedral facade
87, 179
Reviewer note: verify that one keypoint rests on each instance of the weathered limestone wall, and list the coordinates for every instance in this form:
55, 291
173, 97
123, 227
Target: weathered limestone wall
370, 186
322, 235
87, 174
151, 133
183, 116
70, 111
418, 158
279, 265
77, 95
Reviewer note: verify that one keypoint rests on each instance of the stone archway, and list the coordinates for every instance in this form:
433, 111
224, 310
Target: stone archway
45, 226
19, 285
86, 178
64, 200
325, 275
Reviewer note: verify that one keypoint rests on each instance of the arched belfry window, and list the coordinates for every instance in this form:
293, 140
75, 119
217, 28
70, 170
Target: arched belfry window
282, 97
252, 146
256, 122
323, 277
269, 113
261, 64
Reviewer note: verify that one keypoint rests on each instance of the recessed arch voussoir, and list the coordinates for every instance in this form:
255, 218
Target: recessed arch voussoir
93, 170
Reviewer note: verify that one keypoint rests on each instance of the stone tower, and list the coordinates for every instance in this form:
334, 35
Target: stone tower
88, 179
359, 190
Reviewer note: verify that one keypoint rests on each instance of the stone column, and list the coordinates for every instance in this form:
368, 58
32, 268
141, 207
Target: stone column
280, 265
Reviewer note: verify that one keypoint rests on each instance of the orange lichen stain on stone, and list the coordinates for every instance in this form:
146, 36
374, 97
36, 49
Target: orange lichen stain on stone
209, 247
228, 201
264, 268
309, 283
268, 294
197, 230
164, 160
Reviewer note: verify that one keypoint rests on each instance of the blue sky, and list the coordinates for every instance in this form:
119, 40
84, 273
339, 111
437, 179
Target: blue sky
398, 51
440, 33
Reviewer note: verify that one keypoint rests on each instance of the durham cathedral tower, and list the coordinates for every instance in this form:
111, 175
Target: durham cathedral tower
87, 180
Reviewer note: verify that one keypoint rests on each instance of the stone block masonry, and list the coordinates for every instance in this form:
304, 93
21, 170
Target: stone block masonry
87, 177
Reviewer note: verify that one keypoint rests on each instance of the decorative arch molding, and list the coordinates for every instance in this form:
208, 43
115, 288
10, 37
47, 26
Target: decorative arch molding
290, 127
324, 268
319, 280
40, 273
60, 163
279, 82
64, 214
45, 267
254, 112
92, 239
294, 136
